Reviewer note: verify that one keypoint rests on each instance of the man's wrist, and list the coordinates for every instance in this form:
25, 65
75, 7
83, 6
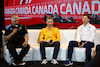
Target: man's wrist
85, 42
26, 41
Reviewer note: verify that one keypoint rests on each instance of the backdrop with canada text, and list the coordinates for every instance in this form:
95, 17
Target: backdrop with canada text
67, 14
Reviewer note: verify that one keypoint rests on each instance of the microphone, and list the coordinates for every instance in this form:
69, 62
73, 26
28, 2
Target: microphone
50, 41
16, 26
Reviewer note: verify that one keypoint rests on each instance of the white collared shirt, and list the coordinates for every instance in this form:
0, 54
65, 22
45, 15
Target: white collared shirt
86, 33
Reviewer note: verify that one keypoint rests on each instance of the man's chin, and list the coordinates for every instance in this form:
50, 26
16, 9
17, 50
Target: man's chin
50, 25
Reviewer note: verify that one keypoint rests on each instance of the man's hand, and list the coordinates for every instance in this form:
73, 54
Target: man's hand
24, 44
11, 34
79, 43
46, 41
82, 45
53, 42
14, 31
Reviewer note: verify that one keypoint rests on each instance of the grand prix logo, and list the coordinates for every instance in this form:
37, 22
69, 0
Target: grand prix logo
25, 1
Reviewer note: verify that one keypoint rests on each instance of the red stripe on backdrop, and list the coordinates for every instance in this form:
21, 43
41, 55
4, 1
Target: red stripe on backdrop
66, 13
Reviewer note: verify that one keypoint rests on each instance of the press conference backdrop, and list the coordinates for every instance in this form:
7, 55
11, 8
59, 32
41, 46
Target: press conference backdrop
67, 14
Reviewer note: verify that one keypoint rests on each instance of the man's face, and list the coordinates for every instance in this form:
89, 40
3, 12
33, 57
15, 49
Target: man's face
85, 20
15, 21
49, 22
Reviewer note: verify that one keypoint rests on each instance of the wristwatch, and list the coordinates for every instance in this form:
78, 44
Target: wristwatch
26, 41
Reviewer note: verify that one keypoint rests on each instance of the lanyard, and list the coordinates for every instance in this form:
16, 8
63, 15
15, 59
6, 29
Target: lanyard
50, 35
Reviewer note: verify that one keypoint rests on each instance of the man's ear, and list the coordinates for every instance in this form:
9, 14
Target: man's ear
89, 19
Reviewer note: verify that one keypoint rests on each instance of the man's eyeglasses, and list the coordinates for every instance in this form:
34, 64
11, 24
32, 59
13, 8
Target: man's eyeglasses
16, 20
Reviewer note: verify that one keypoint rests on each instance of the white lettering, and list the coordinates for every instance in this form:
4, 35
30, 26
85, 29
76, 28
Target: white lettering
50, 9
93, 6
86, 9
45, 9
40, 9
36, 10
68, 9
55, 9
76, 6
33, 10
21, 1
62, 8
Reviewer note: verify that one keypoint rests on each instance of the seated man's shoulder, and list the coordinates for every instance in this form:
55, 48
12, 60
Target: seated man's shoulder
21, 24
8, 26
43, 29
92, 26
80, 27
56, 28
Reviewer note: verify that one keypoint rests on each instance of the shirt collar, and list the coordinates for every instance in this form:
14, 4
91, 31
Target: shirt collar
49, 29
12, 26
86, 25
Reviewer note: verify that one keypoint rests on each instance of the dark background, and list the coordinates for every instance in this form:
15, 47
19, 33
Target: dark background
1, 21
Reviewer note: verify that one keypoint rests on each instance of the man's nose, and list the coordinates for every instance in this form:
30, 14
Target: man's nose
49, 23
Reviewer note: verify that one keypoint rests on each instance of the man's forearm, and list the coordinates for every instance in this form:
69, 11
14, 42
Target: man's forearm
26, 37
45, 40
8, 36
11, 34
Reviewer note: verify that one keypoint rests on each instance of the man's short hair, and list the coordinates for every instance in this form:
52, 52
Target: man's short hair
49, 18
87, 16
13, 17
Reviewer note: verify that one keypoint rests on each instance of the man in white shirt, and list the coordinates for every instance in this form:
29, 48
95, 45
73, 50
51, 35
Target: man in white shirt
85, 38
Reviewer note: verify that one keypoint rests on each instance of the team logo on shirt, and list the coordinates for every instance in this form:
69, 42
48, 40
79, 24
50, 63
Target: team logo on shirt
11, 28
20, 28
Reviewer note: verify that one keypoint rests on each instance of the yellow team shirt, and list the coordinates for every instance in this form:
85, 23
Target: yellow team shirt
47, 34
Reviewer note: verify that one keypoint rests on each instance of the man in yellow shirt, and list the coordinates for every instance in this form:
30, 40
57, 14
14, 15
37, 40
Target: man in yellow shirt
49, 36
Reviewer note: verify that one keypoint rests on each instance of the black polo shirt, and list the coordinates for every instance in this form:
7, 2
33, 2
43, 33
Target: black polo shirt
17, 38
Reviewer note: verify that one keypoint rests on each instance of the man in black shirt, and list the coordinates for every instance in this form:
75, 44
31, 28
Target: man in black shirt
17, 36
